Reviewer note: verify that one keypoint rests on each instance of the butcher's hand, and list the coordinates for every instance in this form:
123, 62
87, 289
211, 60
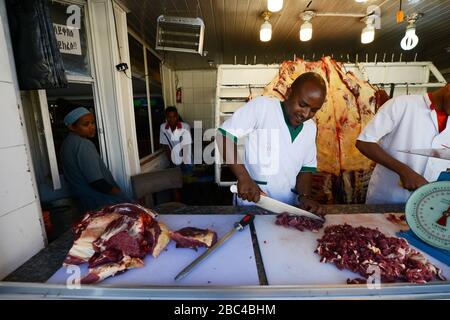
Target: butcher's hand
248, 190
411, 180
311, 206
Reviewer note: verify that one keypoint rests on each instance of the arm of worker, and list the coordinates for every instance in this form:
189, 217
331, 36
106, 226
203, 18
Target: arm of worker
386, 120
168, 154
243, 121
410, 179
165, 143
304, 184
89, 160
104, 187
186, 143
247, 188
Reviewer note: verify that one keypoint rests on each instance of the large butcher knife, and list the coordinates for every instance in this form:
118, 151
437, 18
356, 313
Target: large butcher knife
238, 226
443, 153
276, 206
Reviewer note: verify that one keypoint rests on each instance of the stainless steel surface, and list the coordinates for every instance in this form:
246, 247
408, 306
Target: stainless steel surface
194, 263
280, 207
10, 290
28, 290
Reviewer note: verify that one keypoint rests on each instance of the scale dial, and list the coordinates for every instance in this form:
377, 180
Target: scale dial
428, 214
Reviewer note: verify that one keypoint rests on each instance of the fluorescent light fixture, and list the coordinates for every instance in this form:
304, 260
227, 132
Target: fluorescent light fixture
368, 34
410, 40
265, 32
306, 31
274, 5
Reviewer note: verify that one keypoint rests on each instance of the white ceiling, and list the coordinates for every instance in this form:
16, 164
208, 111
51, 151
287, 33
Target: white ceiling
232, 29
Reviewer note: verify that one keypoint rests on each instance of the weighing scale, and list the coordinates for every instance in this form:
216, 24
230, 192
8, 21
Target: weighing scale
428, 213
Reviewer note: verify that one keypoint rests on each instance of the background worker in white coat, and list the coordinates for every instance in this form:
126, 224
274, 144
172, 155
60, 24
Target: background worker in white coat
280, 144
175, 136
405, 123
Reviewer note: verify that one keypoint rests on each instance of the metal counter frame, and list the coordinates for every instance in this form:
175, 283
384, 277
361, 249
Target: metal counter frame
13, 290
33, 290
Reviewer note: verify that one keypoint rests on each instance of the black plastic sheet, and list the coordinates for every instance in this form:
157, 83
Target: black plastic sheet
38, 60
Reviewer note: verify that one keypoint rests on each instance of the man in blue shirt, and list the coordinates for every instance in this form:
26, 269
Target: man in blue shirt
91, 183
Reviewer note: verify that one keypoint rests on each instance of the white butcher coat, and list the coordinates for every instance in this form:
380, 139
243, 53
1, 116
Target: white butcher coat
403, 123
275, 153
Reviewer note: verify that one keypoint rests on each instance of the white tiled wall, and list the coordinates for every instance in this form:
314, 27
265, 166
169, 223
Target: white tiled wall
199, 93
21, 233
21, 237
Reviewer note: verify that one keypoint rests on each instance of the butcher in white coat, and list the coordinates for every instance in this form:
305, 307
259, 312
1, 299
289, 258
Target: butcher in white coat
405, 123
280, 144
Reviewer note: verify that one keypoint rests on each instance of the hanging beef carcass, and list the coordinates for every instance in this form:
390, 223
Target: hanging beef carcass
350, 104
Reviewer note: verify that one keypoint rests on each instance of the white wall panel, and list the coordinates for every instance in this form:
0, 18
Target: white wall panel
11, 131
243, 74
199, 92
21, 238
16, 187
21, 232
5, 69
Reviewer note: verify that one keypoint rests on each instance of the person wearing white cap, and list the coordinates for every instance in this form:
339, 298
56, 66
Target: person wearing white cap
91, 183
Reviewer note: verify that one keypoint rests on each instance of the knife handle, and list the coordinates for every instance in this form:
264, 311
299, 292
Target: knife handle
247, 219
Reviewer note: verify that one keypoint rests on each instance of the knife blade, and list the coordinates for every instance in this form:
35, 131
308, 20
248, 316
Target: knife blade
443, 153
238, 226
276, 206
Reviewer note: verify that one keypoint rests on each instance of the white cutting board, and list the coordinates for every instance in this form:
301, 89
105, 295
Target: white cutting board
232, 264
289, 257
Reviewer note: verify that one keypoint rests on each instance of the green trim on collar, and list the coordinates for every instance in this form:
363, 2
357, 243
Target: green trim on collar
228, 135
260, 182
294, 131
309, 169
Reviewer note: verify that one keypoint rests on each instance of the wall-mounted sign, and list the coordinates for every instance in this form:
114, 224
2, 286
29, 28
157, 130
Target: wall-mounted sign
68, 39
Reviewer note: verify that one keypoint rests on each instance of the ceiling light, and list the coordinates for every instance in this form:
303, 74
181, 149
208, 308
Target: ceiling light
368, 33
274, 5
265, 32
306, 29
410, 40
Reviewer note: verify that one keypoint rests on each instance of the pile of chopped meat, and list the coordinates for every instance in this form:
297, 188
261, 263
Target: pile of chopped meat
191, 237
299, 222
362, 250
116, 238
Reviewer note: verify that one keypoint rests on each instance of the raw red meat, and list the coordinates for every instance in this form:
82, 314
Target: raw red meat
190, 237
299, 222
360, 249
115, 239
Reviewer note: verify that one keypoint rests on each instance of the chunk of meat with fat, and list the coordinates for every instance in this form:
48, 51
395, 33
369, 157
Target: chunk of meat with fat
115, 239
190, 237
